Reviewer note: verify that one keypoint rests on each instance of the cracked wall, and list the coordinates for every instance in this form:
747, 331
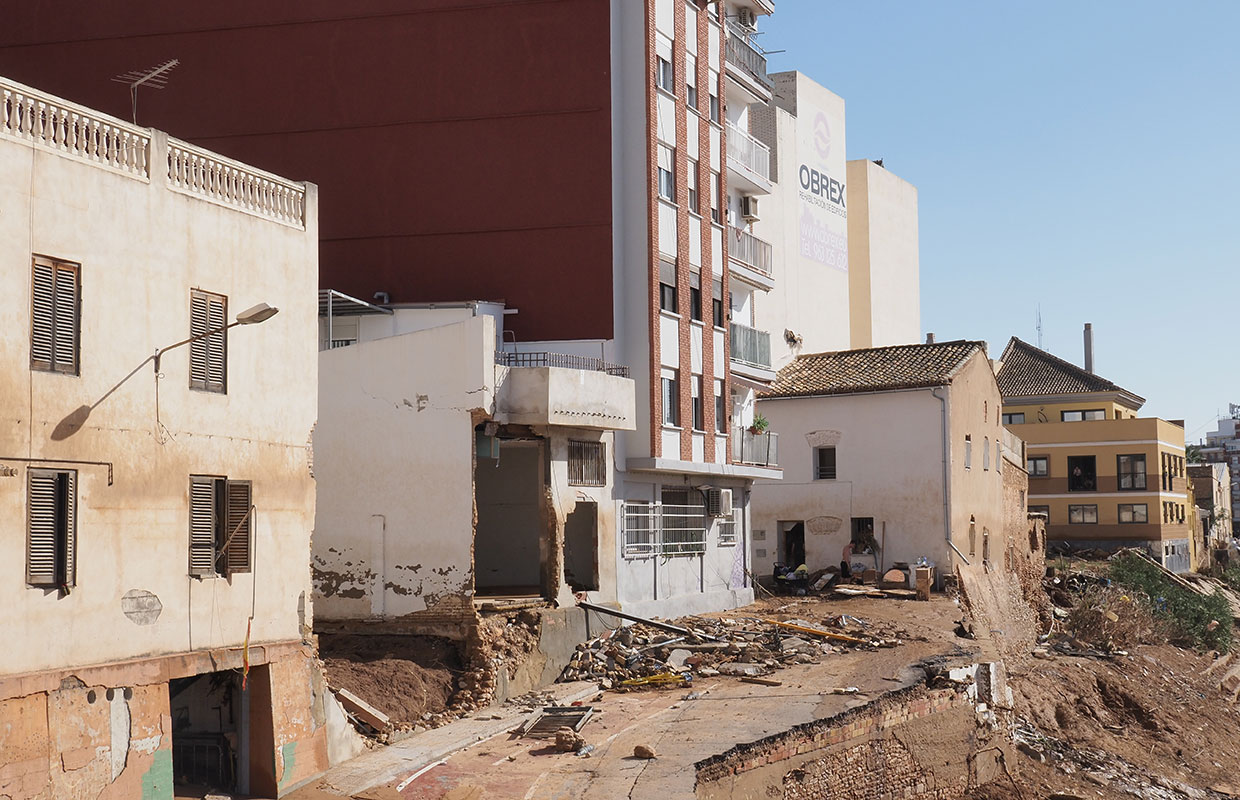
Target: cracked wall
393, 448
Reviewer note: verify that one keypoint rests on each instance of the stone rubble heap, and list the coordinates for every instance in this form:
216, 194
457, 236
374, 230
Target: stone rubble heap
739, 647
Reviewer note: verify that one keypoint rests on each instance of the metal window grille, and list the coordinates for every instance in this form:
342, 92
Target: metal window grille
562, 360
208, 356
682, 529
587, 463
55, 316
663, 529
641, 529
51, 530
728, 528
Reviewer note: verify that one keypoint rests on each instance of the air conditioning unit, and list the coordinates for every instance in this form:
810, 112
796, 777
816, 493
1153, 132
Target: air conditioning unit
749, 208
746, 19
719, 502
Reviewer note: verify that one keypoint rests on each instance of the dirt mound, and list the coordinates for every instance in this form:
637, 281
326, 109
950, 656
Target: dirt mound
402, 676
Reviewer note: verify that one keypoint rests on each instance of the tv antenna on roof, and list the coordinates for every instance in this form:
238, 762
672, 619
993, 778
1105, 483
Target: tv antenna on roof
1039, 326
156, 77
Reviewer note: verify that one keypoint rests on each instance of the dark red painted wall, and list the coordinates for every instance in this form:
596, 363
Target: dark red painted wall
462, 149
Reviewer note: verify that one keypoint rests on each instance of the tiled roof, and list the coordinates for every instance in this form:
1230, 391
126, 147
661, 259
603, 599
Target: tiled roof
910, 366
1028, 371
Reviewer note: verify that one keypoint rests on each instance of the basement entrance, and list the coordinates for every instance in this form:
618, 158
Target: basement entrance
222, 737
510, 489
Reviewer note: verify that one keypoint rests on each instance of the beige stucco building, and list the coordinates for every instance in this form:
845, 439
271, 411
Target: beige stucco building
884, 272
897, 450
155, 506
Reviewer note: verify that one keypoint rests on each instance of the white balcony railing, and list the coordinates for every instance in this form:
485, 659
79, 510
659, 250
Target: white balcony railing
749, 58
760, 449
74, 130
748, 152
201, 172
751, 251
750, 346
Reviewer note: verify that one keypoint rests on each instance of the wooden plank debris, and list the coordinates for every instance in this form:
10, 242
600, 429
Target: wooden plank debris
363, 710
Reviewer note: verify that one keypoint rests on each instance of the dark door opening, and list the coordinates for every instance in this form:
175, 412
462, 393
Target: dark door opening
581, 547
510, 536
206, 732
793, 545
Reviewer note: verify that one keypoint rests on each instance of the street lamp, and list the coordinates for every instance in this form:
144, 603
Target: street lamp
251, 316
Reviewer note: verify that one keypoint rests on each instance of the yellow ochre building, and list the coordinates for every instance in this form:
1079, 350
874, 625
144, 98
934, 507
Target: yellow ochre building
1104, 477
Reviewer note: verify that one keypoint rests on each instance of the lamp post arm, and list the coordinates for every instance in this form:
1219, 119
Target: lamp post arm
160, 351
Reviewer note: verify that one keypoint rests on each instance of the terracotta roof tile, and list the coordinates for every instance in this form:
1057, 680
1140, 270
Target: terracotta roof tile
910, 366
1028, 371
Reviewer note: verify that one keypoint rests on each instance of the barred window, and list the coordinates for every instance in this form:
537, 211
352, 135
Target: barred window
56, 303
824, 463
587, 463
208, 356
220, 526
728, 527
51, 529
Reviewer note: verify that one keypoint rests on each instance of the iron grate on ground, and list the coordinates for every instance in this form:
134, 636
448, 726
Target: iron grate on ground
545, 723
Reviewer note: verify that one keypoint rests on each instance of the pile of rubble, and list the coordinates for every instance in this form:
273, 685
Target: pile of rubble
643, 654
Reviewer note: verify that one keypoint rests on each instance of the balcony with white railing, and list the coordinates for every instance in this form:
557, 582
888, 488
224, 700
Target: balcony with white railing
746, 63
750, 162
757, 448
214, 177
752, 259
542, 388
751, 346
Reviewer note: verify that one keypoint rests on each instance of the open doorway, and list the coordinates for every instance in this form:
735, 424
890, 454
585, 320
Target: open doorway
581, 547
209, 734
511, 531
792, 544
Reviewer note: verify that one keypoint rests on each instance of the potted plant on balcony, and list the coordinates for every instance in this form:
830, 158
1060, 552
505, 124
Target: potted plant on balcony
759, 425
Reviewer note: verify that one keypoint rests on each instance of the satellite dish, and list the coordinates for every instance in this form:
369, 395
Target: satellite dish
156, 77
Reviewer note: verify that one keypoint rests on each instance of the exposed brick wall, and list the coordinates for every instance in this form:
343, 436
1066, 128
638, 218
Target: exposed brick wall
681, 166
702, 34
652, 250
723, 190
879, 768
850, 729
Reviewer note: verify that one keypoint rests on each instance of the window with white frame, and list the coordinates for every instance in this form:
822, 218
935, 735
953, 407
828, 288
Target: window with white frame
51, 528
667, 178
716, 215
691, 93
671, 398
729, 528
664, 75
986, 453
699, 403
693, 186
968, 452
682, 522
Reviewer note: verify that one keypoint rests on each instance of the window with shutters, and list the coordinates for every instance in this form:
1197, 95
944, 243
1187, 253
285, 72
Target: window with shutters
220, 526
208, 356
56, 302
51, 529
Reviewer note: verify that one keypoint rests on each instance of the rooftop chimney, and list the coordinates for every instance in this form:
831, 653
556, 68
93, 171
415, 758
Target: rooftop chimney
929, 338
1089, 347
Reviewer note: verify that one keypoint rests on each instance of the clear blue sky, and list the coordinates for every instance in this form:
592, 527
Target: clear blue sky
1077, 155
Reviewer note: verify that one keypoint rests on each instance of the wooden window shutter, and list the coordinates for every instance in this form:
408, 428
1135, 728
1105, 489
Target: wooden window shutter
41, 530
208, 356
65, 350
238, 531
69, 530
42, 331
202, 519
51, 538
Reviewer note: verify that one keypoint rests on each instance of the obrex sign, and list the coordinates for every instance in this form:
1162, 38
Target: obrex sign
822, 185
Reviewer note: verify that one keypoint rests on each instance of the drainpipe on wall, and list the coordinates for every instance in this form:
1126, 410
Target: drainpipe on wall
947, 518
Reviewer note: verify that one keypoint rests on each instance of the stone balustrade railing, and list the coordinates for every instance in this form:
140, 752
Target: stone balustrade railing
201, 172
74, 130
